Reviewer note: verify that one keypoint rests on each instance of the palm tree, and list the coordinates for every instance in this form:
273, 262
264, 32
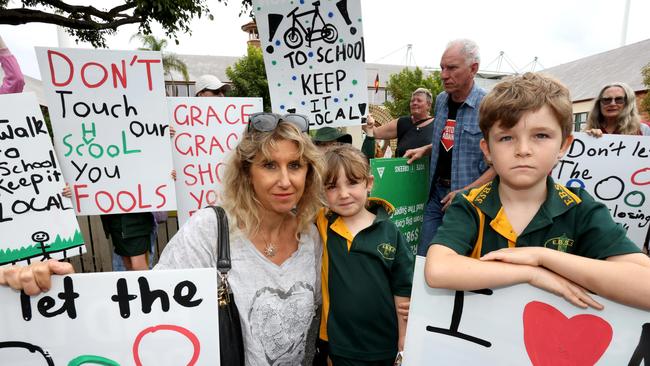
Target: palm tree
171, 62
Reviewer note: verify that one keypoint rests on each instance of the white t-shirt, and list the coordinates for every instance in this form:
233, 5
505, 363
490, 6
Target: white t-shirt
276, 303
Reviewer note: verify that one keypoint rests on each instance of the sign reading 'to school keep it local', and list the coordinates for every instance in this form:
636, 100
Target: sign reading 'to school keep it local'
162, 318
615, 170
111, 131
314, 55
519, 325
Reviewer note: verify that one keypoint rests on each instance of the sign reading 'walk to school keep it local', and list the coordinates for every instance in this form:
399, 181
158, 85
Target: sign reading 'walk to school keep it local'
519, 325
406, 187
110, 128
314, 56
162, 318
615, 170
36, 221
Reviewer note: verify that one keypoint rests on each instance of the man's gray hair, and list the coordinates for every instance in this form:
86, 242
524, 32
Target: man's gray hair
469, 48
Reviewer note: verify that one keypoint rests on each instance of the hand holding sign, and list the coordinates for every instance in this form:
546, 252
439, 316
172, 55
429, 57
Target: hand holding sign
35, 278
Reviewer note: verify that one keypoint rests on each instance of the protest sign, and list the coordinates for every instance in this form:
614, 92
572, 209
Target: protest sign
519, 325
314, 56
110, 128
119, 318
207, 129
36, 221
406, 187
615, 170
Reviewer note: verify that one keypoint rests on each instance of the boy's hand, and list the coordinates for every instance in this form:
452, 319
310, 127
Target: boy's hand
546, 280
531, 256
403, 309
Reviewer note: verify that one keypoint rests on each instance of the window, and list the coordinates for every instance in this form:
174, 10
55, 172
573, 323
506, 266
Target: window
579, 119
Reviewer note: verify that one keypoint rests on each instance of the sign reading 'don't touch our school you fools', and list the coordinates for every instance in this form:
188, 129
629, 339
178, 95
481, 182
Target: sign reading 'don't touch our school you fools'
162, 318
615, 170
207, 129
36, 221
519, 325
406, 187
110, 132
314, 57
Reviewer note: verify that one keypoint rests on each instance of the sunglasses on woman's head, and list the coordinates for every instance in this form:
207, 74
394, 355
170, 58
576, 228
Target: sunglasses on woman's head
608, 100
266, 122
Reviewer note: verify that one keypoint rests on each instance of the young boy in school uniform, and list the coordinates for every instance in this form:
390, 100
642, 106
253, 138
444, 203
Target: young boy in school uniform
523, 227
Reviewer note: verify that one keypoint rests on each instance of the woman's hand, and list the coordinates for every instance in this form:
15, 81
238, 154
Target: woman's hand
549, 281
35, 278
594, 132
369, 127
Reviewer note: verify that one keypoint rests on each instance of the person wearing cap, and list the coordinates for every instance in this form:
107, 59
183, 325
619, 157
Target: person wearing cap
328, 136
210, 86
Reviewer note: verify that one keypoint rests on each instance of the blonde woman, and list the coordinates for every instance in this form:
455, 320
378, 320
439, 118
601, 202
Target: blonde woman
615, 112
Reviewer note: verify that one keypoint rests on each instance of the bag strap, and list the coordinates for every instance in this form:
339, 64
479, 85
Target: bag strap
223, 241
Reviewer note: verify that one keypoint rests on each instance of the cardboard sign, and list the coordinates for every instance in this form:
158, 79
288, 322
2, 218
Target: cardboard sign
615, 170
314, 56
120, 318
207, 129
110, 128
519, 325
36, 221
406, 187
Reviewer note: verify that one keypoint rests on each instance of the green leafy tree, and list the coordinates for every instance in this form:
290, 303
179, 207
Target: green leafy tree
171, 62
91, 24
645, 103
248, 77
403, 84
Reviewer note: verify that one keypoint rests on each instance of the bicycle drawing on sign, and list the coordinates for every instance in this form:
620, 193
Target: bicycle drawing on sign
319, 30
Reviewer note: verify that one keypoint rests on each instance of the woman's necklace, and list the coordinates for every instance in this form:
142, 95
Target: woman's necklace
270, 249
418, 122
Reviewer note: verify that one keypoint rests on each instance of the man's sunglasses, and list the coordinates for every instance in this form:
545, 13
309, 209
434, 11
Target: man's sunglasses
266, 122
608, 100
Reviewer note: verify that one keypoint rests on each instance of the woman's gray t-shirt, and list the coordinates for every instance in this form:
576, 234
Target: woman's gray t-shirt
276, 303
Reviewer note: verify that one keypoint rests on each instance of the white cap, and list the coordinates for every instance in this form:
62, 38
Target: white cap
209, 82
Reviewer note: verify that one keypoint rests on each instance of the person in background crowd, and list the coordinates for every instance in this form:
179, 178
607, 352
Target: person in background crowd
456, 159
326, 137
615, 111
210, 86
13, 81
273, 185
410, 131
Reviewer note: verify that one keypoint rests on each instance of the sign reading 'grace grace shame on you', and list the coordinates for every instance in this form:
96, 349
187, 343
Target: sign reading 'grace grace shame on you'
36, 221
520, 325
615, 170
314, 56
110, 128
207, 130
162, 318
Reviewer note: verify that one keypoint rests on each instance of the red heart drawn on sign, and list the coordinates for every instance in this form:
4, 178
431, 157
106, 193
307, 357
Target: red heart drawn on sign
552, 339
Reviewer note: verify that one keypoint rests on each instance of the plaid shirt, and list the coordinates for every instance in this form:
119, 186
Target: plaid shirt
467, 162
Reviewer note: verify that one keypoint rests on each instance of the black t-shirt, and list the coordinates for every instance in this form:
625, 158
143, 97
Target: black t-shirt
410, 137
443, 168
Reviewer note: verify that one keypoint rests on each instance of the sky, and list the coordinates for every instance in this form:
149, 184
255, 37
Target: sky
554, 31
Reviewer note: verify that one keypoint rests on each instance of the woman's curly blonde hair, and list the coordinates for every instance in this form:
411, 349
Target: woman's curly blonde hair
239, 196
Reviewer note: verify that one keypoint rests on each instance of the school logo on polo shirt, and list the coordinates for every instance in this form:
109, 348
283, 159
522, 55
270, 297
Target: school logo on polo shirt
387, 251
561, 243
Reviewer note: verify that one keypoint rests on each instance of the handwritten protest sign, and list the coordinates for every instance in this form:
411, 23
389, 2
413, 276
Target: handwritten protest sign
614, 169
120, 318
36, 222
519, 325
406, 187
314, 56
207, 129
110, 128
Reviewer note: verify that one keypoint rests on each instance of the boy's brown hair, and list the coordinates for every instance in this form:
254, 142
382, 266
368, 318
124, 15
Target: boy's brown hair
514, 96
354, 163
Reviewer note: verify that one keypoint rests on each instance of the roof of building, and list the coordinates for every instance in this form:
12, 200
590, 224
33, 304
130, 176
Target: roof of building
586, 76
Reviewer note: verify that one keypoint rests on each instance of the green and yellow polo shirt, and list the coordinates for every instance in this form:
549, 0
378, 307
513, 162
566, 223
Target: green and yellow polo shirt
570, 220
360, 275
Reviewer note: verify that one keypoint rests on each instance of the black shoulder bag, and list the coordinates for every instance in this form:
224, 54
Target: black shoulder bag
231, 343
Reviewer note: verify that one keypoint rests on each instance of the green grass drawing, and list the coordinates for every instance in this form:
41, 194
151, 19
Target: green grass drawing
34, 250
